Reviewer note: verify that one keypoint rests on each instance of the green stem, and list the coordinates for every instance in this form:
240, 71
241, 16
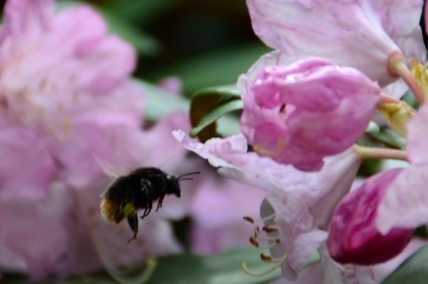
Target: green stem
380, 153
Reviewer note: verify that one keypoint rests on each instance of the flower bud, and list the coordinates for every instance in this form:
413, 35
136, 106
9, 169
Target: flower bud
353, 236
300, 113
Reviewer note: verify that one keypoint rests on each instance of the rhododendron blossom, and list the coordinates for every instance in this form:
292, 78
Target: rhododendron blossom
353, 236
66, 100
217, 209
301, 113
361, 34
406, 202
303, 202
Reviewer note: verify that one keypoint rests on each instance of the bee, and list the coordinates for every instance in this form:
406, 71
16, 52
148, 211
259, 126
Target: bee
138, 190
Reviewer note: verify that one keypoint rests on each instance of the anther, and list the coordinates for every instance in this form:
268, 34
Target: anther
265, 257
254, 242
277, 264
270, 229
249, 219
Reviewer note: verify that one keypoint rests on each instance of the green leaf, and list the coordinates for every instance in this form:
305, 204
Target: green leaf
215, 114
225, 90
386, 136
185, 269
159, 102
210, 104
214, 68
222, 268
412, 270
144, 44
96, 278
139, 11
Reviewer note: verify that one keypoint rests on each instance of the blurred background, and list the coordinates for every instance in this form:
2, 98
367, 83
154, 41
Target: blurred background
202, 42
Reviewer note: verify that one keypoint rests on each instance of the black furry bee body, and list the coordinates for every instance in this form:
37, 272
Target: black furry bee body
137, 191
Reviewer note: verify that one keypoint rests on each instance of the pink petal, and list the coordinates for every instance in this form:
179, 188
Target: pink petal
367, 30
230, 201
406, 203
303, 201
417, 129
353, 236
26, 18
24, 176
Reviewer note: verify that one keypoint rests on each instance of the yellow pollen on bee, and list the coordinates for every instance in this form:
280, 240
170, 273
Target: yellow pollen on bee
129, 209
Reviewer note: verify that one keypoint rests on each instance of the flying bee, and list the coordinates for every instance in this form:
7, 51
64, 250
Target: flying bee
136, 191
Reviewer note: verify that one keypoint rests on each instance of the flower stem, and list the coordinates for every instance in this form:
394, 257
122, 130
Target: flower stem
386, 98
397, 66
380, 153
277, 264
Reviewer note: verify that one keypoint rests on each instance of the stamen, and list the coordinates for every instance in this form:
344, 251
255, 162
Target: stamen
277, 264
249, 219
270, 229
260, 220
254, 242
265, 257
265, 237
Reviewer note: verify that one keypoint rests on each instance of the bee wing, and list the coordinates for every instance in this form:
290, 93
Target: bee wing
108, 169
127, 263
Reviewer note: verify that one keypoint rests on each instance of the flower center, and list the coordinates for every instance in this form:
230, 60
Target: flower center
264, 237
420, 73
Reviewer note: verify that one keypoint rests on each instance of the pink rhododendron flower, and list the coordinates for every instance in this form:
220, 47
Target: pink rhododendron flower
29, 52
217, 210
303, 202
361, 34
66, 101
353, 236
308, 110
406, 202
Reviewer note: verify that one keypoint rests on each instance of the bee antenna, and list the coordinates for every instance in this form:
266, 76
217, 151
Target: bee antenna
183, 176
185, 179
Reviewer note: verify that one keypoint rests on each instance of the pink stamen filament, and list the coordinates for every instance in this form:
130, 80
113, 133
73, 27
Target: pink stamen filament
397, 66
380, 153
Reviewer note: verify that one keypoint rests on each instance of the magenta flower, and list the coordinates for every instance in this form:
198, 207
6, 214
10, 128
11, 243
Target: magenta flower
66, 100
308, 110
353, 236
349, 33
406, 202
302, 202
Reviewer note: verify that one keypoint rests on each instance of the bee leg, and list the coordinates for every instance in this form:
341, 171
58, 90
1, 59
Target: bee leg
159, 203
149, 207
133, 224
147, 210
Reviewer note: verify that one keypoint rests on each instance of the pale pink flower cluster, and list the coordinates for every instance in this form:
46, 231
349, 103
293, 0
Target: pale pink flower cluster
305, 105
66, 101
